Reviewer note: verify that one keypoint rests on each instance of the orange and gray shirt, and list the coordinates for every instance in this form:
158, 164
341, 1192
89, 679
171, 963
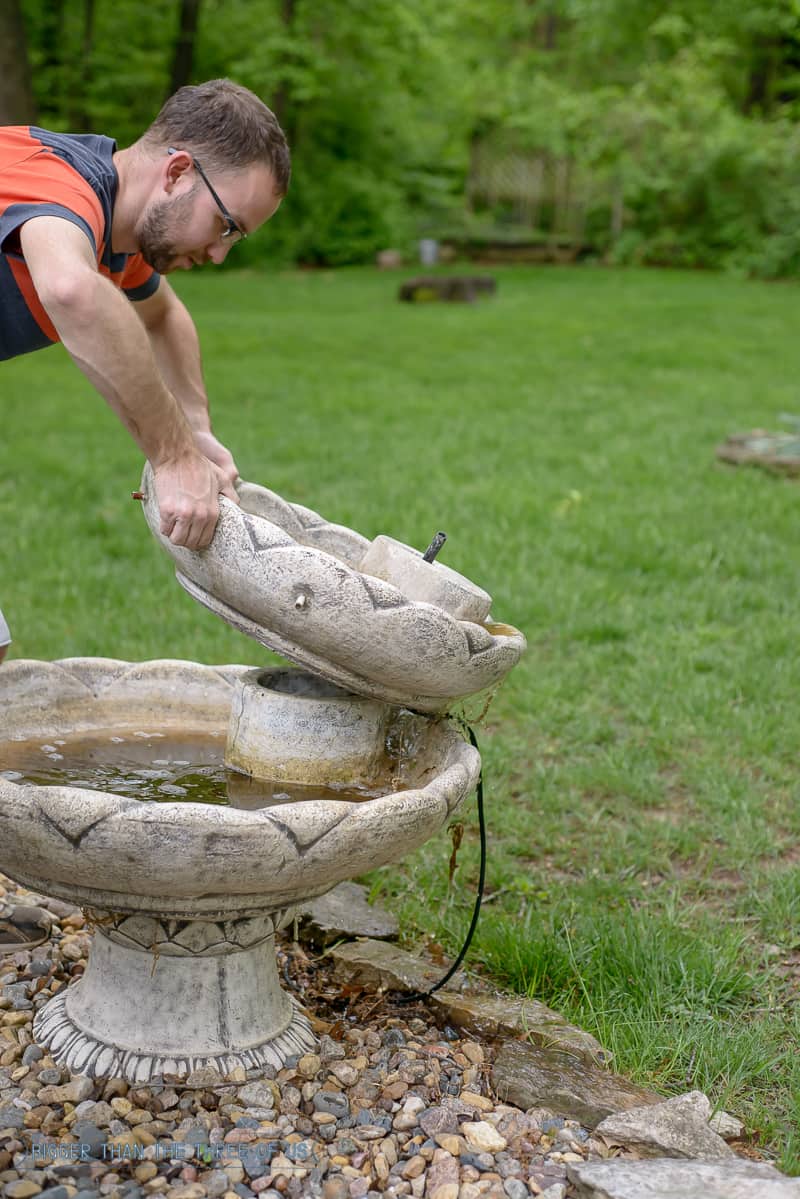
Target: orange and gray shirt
65, 175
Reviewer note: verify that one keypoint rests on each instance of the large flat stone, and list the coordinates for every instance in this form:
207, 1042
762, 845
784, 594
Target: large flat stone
344, 912
527, 1076
512, 1016
669, 1178
675, 1128
381, 965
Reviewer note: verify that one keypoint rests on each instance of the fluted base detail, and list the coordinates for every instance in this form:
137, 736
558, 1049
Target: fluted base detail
82, 1053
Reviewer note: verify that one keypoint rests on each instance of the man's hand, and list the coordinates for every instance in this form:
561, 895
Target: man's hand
207, 444
188, 493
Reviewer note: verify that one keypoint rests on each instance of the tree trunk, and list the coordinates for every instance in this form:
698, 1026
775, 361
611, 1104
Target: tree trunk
548, 29
17, 106
80, 75
281, 100
761, 80
51, 48
183, 57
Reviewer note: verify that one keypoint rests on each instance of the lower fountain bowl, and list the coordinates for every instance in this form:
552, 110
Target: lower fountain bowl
186, 897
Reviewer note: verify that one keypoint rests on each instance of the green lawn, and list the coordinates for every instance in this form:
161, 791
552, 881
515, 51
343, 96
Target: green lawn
641, 761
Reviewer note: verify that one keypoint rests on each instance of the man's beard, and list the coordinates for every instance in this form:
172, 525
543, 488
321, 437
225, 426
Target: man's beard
159, 225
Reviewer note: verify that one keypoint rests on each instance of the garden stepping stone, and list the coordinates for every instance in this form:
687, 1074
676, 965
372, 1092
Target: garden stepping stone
668, 1178
458, 288
774, 451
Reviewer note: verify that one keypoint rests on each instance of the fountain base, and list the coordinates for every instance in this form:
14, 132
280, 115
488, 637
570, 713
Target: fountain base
174, 986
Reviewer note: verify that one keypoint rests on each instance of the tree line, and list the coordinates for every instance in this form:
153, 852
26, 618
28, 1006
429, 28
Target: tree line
661, 131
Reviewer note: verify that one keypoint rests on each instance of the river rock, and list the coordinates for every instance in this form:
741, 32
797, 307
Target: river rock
726, 1125
531, 1077
345, 912
483, 1137
442, 1179
675, 1128
439, 1119
11, 1117
21, 1188
258, 1094
74, 1091
670, 1178
203, 1078
510, 1016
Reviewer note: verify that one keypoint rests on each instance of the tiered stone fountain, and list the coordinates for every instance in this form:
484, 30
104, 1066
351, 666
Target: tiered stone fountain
185, 897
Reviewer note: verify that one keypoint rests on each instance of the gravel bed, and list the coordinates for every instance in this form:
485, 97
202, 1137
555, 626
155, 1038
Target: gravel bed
390, 1104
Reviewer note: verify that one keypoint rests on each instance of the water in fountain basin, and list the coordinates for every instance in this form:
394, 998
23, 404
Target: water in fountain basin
158, 767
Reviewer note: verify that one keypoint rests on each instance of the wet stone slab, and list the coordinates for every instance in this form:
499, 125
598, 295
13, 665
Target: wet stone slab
376, 964
344, 912
528, 1077
500, 1016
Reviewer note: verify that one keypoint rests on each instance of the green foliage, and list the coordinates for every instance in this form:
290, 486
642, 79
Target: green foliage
677, 120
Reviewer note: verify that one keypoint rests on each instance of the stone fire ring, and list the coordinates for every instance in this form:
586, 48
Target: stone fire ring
186, 897
285, 576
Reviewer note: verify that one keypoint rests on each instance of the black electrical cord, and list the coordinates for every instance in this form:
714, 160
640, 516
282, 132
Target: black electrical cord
416, 996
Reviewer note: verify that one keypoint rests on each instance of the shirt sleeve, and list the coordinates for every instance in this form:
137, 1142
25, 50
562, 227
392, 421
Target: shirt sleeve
42, 184
138, 279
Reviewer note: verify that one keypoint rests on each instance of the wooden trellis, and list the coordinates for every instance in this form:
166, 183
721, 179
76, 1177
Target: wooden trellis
544, 192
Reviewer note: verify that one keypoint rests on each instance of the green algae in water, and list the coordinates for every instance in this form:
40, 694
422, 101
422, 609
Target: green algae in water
158, 767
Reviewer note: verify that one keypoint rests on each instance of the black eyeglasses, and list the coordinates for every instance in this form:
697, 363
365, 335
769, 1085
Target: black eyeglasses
233, 233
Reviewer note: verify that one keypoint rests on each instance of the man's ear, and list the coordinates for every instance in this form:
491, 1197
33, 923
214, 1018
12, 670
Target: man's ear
177, 164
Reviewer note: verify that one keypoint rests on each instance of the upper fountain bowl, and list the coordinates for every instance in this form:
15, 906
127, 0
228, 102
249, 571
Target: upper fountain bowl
302, 586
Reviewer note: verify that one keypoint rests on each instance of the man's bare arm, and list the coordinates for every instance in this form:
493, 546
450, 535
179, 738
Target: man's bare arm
108, 343
177, 350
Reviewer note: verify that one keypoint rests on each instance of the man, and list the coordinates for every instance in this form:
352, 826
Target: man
86, 234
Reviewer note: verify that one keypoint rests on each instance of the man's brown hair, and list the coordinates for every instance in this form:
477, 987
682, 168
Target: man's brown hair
226, 125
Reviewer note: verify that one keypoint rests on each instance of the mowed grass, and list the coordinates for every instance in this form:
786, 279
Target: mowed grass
642, 761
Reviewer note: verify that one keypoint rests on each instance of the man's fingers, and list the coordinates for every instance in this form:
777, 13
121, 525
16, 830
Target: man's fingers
230, 492
188, 496
192, 531
192, 534
194, 528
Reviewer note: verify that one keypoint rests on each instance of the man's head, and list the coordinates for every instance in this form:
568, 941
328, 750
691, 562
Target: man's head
222, 168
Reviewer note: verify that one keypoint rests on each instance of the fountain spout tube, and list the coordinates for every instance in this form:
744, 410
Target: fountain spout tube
434, 547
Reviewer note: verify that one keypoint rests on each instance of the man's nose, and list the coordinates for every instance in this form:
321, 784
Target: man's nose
218, 252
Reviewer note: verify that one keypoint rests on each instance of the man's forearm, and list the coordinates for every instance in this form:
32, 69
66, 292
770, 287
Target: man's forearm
177, 351
105, 339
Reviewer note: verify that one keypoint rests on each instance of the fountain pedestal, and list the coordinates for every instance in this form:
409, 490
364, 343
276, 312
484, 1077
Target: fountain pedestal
121, 1019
